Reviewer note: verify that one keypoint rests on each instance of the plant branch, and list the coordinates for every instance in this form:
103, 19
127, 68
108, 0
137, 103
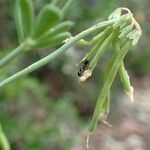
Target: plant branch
70, 42
20, 49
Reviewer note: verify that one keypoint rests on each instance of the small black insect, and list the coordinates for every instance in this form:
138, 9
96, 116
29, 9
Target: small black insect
86, 63
83, 68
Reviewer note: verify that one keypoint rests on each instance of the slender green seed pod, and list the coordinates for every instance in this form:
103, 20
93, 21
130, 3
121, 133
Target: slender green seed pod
106, 88
134, 36
106, 105
98, 40
100, 51
4, 145
124, 77
125, 31
60, 28
102, 34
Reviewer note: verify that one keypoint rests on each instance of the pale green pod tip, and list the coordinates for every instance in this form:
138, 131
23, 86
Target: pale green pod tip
125, 31
115, 14
130, 94
124, 19
134, 36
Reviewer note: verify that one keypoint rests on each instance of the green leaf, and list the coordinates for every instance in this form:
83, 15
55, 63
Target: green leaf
60, 28
53, 41
24, 18
67, 7
46, 19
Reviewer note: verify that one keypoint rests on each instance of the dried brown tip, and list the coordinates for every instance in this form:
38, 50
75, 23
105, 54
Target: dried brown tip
86, 74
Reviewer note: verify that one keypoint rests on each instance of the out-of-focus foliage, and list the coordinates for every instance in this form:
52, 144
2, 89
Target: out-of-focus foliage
48, 108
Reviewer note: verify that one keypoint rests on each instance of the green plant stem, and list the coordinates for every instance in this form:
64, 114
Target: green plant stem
20, 49
4, 145
107, 85
57, 53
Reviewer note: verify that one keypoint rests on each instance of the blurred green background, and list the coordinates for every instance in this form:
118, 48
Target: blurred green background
49, 110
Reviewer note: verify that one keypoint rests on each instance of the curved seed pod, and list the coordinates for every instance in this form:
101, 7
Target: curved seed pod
124, 77
53, 41
60, 28
46, 19
106, 88
98, 40
24, 18
100, 51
